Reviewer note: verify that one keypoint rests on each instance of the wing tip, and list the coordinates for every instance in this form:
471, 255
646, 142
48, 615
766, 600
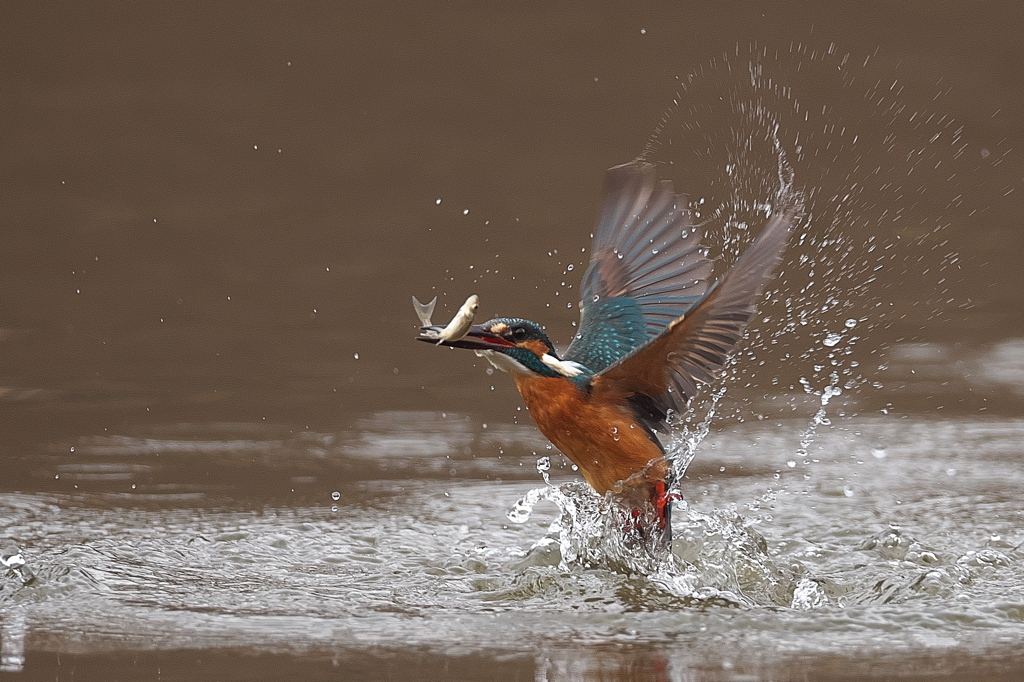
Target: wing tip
763, 256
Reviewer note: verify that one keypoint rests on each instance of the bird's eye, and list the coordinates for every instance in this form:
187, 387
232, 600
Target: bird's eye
519, 334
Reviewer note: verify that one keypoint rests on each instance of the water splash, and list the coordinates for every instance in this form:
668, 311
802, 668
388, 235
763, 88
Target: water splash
715, 557
737, 130
592, 531
683, 448
606, 531
743, 139
12, 559
820, 417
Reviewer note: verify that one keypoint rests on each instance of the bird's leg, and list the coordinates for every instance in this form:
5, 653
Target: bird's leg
646, 501
661, 500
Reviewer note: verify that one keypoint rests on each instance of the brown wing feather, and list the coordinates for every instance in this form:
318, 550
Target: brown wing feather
666, 371
647, 266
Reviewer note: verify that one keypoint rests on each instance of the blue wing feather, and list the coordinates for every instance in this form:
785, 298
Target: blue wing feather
610, 326
662, 374
647, 267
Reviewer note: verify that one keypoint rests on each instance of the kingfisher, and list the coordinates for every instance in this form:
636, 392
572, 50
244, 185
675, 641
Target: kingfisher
653, 328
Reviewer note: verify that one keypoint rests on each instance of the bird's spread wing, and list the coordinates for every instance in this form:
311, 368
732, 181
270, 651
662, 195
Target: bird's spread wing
646, 268
663, 373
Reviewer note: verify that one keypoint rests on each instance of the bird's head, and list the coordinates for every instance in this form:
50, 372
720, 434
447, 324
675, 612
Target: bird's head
515, 346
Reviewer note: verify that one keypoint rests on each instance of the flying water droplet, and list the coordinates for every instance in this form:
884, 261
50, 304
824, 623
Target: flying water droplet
543, 467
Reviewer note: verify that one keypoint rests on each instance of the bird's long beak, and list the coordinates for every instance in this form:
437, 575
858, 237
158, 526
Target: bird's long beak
477, 338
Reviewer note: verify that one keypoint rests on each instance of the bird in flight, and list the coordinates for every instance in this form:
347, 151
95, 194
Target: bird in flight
653, 328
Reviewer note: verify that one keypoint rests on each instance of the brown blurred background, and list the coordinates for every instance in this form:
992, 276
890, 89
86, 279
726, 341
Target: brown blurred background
208, 210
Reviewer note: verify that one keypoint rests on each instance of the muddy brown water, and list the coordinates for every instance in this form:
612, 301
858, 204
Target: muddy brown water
223, 457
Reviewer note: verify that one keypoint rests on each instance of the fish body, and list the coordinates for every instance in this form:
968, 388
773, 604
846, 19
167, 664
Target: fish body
454, 330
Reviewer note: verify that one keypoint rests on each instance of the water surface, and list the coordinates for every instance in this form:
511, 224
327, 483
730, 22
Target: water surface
223, 457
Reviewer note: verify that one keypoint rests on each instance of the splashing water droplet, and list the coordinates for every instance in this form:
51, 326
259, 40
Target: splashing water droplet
520, 512
336, 496
832, 339
543, 467
851, 323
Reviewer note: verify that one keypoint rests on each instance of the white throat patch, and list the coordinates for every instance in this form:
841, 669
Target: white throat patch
506, 364
503, 362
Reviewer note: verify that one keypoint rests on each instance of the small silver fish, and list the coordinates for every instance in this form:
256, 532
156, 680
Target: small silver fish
458, 327
424, 311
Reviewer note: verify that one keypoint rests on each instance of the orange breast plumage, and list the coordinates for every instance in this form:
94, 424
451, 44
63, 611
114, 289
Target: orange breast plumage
602, 439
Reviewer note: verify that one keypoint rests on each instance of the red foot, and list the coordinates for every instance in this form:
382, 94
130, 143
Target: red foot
661, 500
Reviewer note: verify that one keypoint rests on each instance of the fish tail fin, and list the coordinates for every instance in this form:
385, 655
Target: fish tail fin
424, 311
